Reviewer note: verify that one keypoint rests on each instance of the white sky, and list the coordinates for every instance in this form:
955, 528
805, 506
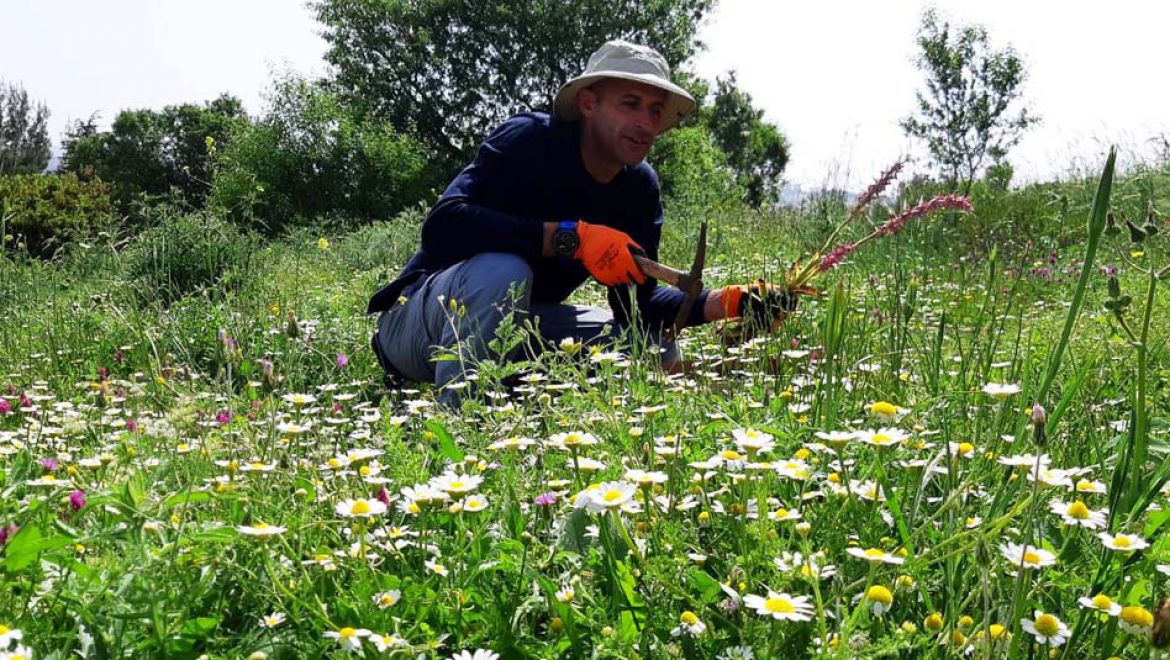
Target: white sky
835, 75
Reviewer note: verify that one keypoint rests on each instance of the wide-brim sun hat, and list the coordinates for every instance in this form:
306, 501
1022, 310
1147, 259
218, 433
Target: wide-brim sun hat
627, 61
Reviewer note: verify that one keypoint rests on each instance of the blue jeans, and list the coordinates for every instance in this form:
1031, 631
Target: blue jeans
489, 286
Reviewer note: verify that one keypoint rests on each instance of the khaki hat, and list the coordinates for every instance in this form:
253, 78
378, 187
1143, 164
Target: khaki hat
622, 59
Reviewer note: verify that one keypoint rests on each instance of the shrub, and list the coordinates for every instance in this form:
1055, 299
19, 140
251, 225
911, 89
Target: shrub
386, 244
692, 170
186, 253
42, 212
310, 156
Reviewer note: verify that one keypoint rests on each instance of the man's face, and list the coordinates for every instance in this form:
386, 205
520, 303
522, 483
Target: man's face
623, 118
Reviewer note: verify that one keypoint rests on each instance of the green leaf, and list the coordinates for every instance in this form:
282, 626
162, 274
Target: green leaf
215, 535
22, 549
447, 445
573, 534
186, 498
629, 585
199, 628
707, 586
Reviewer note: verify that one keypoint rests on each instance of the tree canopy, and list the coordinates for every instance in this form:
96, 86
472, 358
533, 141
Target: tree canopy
450, 70
964, 115
24, 136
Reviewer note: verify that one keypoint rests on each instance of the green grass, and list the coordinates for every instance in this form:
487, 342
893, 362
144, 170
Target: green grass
163, 446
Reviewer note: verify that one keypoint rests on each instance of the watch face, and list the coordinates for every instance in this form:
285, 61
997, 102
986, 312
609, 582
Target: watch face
565, 242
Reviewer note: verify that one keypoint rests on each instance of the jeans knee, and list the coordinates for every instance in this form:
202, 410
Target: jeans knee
497, 273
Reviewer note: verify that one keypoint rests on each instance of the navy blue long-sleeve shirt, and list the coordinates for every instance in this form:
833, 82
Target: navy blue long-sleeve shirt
529, 171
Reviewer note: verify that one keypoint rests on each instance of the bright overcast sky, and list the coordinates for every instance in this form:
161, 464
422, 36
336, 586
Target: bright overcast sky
835, 75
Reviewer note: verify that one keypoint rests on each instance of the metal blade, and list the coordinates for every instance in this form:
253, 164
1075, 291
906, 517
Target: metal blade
693, 286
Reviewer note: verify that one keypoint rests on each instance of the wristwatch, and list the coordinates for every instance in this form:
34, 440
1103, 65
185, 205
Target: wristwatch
565, 239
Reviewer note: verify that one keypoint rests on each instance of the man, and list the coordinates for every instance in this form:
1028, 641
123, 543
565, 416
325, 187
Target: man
548, 202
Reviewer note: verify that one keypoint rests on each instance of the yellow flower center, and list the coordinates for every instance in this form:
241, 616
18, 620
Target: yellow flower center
1031, 557
386, 599
256, 466
881, 439
612, 495
966, 448
1084, 485
360, 507
689, 618
1102, 602
1122, 541
884, 408
1047, 625
572, 439
365, 470
260, 525
933, 622
4, 629
874, 553
879, 594
346, 633
1136, 615
782, 605
414, 508
333, 462
781, 513
731, 455
456, 485
996, 631
1078, 510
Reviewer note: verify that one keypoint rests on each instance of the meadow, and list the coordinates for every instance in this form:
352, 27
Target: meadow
958, 451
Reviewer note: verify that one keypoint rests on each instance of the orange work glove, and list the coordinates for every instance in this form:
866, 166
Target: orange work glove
759, 301
605, 253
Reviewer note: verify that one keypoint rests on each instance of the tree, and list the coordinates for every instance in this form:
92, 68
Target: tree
148, 152
756, 150
450, 70
970, 87
310, 156
24, 136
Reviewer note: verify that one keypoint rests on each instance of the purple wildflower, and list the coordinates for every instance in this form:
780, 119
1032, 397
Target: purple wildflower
342, 360
49, 464
832, 259
7, 533
5, 407
223, 417
546, 499
77, 500
383, 496
877, 187
939, 203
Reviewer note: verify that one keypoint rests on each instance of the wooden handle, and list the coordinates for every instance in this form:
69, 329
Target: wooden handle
659, 272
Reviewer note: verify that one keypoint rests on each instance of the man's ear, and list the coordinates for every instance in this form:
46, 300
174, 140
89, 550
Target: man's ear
586, 101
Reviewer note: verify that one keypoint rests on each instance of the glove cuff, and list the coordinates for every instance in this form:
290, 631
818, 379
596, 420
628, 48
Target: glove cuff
731, 297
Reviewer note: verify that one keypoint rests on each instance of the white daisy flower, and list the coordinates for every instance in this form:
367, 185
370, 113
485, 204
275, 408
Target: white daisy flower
1046, 628
1123, 542
360, 508
875, 556
780, 606
1027, 556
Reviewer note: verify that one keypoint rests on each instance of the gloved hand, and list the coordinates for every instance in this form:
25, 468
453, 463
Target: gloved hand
606, 254
758, 303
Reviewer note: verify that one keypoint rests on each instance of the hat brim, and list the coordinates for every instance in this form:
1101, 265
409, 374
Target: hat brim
679, 104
